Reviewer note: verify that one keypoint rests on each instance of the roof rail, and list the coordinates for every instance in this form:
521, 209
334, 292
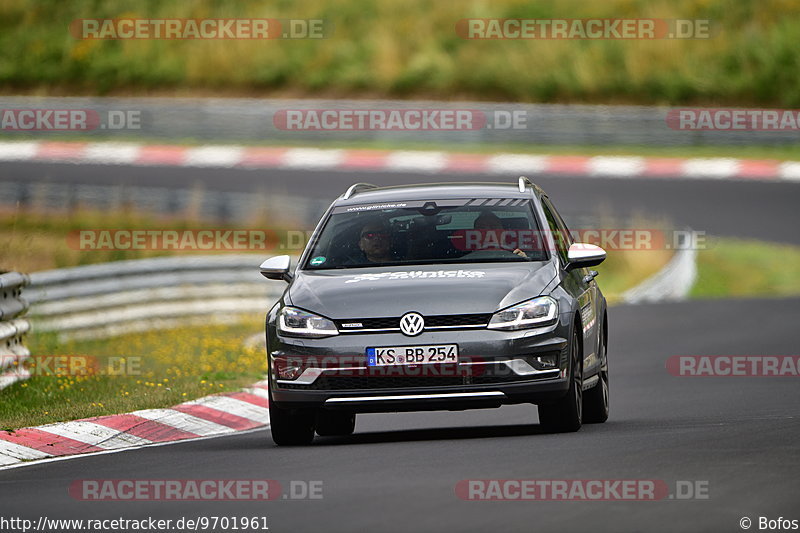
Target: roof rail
523, 181
356, 187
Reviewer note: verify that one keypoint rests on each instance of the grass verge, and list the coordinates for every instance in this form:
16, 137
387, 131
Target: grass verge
734, 268
160, 369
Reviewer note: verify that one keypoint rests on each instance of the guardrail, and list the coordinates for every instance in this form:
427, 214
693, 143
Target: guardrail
671, 283
137, 295
252, 120
12, 328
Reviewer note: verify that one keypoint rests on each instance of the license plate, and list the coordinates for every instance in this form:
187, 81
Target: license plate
412, 355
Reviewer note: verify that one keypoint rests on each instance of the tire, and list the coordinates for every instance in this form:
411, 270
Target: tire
291, 427
565, 415
595, 400
335, 423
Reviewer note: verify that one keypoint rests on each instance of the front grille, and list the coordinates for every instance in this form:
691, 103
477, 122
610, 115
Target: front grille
457, 320
369, 323
453, 321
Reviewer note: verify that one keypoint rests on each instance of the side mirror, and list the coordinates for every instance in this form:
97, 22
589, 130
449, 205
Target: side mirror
277, 268
582, 255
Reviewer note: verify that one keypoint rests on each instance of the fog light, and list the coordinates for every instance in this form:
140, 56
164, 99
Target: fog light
545, 362
287, 368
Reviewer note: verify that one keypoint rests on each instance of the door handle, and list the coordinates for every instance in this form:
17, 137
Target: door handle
590, 276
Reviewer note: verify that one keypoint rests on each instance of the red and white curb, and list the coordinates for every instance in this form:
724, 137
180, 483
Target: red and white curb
108, 153
206, 417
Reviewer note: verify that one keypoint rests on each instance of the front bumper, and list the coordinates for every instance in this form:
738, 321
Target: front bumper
494, 369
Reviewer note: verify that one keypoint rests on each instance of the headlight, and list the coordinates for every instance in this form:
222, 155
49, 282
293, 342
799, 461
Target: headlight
298, 323
537, 312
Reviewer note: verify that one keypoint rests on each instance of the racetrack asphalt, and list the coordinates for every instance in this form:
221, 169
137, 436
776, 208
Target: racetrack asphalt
399, 471
739, 436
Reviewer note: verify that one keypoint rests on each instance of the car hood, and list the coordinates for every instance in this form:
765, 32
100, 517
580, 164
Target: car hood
429, 289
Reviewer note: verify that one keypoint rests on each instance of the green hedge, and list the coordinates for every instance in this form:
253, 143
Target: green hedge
410, 49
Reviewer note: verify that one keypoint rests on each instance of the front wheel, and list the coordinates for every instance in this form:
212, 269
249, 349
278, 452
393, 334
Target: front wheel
566, 414
595, 401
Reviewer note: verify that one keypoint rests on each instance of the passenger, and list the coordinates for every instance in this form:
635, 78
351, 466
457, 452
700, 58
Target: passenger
488, 221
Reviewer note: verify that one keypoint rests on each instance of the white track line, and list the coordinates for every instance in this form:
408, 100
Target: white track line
112, 153
517, 164
710, 168
312, 158
213, 156
616, 167
790, 170
416, 161
18, 151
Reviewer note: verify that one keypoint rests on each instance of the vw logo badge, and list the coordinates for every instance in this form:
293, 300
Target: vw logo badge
411, 324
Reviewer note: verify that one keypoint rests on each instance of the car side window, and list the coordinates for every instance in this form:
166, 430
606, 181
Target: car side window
558, 233
560, 221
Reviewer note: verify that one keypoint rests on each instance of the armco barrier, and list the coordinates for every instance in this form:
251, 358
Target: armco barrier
137, 295
245, 120
12, 328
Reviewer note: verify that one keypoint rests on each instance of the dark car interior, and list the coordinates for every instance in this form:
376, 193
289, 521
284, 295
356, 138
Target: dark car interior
419, 237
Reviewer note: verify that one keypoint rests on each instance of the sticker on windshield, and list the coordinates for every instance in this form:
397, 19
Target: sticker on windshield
413, 274
373, 207
318, 260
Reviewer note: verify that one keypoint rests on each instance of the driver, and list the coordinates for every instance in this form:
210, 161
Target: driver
488, 221
375, 241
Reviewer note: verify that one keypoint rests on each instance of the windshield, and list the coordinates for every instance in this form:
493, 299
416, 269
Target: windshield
417, 233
